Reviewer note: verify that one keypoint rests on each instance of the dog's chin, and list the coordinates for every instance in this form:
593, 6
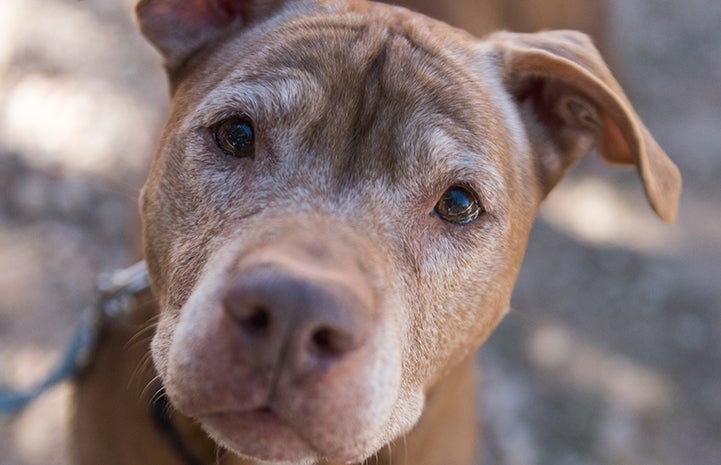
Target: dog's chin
261, 435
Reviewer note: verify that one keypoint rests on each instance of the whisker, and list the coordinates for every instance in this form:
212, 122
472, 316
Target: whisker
148, 326
158, 386
218, 454
144, 367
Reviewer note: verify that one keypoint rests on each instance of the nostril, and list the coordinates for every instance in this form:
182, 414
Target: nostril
258, 319
322, 340
293, 322
329, 341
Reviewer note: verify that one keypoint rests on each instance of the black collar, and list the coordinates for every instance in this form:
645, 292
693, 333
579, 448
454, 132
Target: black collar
160, 413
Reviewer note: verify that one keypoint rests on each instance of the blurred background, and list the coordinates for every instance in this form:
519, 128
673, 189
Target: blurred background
612, 352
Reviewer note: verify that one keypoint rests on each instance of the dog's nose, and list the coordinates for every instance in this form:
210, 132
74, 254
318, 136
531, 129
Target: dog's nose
296, 323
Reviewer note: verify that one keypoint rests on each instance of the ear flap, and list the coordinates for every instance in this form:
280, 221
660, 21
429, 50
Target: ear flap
177, 28
571, 104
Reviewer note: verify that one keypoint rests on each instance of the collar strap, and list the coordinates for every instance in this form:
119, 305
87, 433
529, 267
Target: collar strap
160, 410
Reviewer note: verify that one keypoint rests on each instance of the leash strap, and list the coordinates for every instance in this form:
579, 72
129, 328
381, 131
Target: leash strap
14, 401
114, 303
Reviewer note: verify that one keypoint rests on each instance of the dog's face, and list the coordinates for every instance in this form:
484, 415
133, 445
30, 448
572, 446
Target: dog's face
338, 209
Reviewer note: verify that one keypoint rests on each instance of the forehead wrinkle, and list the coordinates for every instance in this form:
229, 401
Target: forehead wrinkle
406, 83
350, 99
452, 160
260, 98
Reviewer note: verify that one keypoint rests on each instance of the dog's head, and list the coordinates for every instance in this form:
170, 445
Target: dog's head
339, 205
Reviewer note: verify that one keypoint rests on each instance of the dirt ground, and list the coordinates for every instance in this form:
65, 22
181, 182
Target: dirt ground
612, 353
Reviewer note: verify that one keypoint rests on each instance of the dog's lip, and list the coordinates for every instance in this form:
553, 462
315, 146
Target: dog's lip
262, 413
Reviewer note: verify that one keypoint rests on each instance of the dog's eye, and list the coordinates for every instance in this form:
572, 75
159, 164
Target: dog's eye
458, 205
235, 137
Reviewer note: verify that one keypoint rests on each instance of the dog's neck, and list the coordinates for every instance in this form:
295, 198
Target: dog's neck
449, 420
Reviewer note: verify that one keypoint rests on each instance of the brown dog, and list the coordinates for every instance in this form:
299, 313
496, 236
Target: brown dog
334, 221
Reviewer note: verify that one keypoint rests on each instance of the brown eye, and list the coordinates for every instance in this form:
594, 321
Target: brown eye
458, 205
235, 137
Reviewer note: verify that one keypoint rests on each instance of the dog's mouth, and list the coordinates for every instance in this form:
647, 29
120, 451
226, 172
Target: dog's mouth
260, 433
285, 360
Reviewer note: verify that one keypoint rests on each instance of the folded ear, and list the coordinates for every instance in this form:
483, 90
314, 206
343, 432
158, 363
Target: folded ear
177, 28
571, 104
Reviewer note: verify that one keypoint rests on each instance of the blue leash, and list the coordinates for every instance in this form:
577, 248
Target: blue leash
75, 356
115, 301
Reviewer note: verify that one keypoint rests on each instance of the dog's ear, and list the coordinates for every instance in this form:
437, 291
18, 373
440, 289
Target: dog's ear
571, 104
179, 27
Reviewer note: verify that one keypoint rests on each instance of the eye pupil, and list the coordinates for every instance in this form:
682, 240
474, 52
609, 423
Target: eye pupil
458, 205
235, 137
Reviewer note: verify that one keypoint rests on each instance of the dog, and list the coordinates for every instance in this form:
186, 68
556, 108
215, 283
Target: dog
333, 223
